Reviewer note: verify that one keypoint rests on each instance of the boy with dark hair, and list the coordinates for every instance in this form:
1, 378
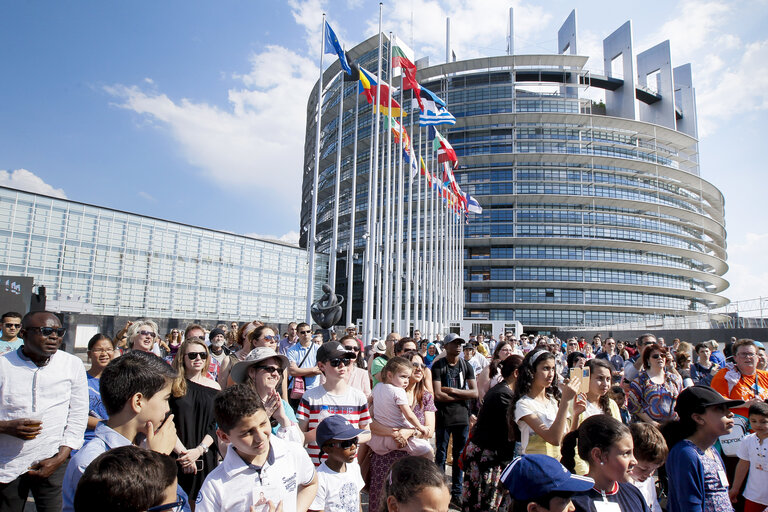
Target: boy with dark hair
135, 389
258, 469
753, 461
127, 479
539, 483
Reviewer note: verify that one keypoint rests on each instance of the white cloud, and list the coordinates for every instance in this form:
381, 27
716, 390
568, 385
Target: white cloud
291, 237
255, 143
147, 196
23, 179
747, 272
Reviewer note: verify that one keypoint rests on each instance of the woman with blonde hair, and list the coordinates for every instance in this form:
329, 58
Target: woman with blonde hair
192, 405
142, 335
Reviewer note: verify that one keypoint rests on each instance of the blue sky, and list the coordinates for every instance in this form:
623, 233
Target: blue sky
195, 111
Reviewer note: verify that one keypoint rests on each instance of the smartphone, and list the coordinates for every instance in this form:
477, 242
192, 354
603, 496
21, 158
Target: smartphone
199, 464
584, 374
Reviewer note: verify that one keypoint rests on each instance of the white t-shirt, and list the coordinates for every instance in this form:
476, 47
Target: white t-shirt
235, 486
648, 489
546, 412
387, 400
338, 492
750, 448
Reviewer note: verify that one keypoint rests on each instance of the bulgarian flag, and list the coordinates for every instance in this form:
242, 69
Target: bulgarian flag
445, 152
402, 55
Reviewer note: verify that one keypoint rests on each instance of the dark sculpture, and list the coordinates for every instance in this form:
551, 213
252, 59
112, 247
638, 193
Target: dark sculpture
327, 312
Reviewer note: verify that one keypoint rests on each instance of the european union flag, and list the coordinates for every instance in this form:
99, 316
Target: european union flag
332, 46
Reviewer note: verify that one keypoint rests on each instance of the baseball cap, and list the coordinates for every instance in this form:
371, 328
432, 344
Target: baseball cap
332, 350
695, 398
531, 476
453, 338
239, 372
335, 427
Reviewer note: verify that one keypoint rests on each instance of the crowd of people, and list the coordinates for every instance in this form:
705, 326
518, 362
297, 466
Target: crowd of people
243, 417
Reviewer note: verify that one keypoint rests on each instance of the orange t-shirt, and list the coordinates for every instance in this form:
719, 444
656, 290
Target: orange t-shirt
745, 389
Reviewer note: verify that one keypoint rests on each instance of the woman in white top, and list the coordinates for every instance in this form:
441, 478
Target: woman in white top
539, 408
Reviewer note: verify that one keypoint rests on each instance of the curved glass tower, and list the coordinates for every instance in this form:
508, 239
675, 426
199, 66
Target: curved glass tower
594, 212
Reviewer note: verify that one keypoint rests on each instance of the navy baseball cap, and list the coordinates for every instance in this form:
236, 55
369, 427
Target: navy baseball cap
336, 427
531, 476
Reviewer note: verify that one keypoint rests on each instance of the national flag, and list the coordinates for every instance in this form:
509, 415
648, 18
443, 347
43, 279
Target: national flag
425, 172
410, 82
433, 112
398, 132
332, 46
440, 144
402, 55
410, 158
368, 87
472, 204
451, 179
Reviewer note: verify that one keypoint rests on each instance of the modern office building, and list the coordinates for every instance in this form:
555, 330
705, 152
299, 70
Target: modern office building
595, 211
113, 264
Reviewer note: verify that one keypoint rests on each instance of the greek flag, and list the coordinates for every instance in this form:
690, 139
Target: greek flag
434, 112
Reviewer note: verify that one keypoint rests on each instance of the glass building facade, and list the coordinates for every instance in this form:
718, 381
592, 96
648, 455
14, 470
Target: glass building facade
594, 213
114, 263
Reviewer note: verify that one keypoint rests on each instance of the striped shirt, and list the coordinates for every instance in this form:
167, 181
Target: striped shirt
352, 405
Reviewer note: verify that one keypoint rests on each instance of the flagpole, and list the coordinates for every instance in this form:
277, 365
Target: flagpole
417, 252
313, 223
372, 190
386, 296
432, 323
424, 275
351, 247
337, 191
398, 277
409, 242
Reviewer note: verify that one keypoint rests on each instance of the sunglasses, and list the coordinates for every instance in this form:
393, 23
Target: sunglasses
418, 366
12, 326
194, 355
353, 348
271, 338
305, 332
176, 506
657, 356
147, 333
269, 369
338, 361
47, 331
347, 443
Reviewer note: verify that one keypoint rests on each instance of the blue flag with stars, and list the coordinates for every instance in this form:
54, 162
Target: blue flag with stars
332, 46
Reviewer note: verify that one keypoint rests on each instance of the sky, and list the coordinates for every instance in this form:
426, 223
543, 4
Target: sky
195, 111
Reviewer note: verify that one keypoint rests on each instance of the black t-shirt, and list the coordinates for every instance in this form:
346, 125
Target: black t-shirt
453, 413
626, 495
491, 430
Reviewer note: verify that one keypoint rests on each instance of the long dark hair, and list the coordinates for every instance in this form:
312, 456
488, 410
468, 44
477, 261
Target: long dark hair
598, 431
493, 368
604, 401
525, 376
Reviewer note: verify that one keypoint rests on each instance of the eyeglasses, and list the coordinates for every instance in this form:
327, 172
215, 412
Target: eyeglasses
347, 443
338, 361
102, 351
747, 355
176, 506
194, 355
147, 333
271, 338
353, 348
12, 326
270, 369
305, 332
47, 331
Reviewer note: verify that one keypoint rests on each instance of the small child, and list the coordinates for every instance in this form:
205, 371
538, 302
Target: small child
753, 452
391, 409
339, 478
650, 450
414, 483
619, 396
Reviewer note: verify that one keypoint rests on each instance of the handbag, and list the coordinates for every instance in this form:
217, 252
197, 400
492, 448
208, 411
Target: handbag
298, 389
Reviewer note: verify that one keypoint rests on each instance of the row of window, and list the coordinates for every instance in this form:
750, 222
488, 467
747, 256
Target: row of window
572, 296
553, 317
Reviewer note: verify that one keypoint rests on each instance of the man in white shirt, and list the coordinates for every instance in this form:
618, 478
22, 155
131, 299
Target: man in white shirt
44, 412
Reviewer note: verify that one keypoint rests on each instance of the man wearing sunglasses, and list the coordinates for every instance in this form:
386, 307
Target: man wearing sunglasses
334, 396
10, 324
44, 392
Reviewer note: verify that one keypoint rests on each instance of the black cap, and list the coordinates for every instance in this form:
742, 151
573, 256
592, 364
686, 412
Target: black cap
695, 398
332, 350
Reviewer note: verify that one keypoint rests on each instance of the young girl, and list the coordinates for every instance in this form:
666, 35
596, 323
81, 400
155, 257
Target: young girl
415, 484
595, 401
392, 409
537, 407
697, 479
606, 444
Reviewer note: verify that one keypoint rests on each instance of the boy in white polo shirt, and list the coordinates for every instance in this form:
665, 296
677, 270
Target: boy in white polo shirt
258, 470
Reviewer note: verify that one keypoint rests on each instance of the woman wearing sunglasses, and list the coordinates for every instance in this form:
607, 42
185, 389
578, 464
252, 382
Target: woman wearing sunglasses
653, 393
265, 336
192, 406
358, 375
142, 335
262, 371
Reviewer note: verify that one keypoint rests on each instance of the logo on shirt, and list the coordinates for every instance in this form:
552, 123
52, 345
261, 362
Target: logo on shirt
290, 482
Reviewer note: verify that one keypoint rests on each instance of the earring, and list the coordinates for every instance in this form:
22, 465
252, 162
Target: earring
602, 463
